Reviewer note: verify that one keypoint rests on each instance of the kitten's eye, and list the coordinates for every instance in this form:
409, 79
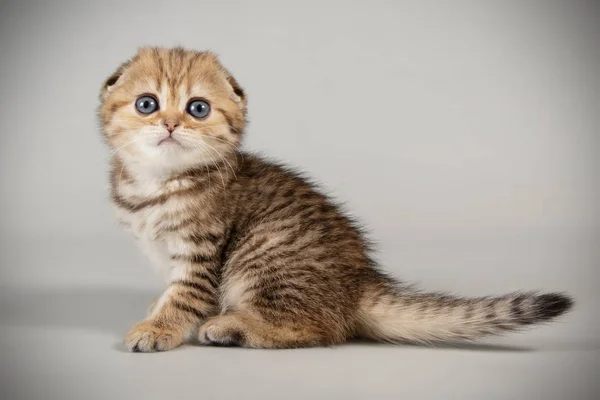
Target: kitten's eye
198, 108
146, 104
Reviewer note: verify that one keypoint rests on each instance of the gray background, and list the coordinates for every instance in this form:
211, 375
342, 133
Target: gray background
464, 134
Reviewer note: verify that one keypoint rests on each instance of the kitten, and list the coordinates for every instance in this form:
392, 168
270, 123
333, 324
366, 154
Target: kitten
252, 254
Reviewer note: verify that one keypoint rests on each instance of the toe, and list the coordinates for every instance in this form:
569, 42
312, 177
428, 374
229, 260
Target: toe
147, 337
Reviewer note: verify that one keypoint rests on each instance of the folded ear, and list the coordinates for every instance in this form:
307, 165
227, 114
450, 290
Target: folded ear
114, 80
237, 94
237, 89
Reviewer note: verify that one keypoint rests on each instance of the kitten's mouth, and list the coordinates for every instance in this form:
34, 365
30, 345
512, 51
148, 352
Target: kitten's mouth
169, 141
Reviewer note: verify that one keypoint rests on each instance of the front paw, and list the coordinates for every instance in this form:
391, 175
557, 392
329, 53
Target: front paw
150, 336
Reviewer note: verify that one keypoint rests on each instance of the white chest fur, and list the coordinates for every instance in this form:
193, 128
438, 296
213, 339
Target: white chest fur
146, 224
152, 224
144, 227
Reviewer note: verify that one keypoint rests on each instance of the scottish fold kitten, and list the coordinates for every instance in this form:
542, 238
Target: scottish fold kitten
251, 252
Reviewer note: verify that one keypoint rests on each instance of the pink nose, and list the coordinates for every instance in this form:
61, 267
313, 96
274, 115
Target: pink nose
171, 124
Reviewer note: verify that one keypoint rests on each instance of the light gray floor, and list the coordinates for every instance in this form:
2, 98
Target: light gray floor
61, 329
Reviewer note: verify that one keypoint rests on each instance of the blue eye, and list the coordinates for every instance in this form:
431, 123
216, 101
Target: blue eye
146, 104
198, 109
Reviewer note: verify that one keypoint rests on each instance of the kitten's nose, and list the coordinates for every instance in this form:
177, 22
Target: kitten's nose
171, 124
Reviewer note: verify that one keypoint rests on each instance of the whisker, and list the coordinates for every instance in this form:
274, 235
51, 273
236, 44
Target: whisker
193, 133
121, 173
234, 148
201, 146
113, 153
224, 159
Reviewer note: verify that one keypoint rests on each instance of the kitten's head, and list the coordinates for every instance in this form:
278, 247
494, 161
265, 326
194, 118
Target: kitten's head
168, 110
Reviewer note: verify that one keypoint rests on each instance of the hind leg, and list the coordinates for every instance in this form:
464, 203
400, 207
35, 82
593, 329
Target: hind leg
242, 328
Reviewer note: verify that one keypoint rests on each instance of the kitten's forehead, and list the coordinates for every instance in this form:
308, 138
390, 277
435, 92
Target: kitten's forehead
176, 72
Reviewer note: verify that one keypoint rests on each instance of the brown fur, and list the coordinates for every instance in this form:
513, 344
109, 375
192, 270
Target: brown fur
253, 253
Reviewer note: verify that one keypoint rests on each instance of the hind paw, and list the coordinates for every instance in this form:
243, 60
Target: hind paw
221, 331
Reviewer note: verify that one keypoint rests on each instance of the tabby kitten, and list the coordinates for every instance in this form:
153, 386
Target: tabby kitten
252, 254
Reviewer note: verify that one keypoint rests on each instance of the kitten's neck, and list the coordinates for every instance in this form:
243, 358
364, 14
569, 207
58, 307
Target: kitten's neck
138, 174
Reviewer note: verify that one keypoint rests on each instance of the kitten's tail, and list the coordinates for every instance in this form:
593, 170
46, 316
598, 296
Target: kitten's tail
391, 313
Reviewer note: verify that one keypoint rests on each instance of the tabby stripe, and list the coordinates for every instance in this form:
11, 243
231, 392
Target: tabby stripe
268, 201
262, 252
288, 298
279, 300
285, 275
283, 258
424, 307
178, 226
204, 237
279, 261
310, 212
189, 309
196, 258
134, 207
275, 287
190, 66
491, 311
201, 172
291, 227
469, 312
253, 247
271, 255
202, 296
229, 120
267, 304
272, 209
503, 326
517, 311
268, 254
119, 104
194, 285
161, 69
205, 276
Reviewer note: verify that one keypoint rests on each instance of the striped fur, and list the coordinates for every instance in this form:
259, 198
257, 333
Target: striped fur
251, 252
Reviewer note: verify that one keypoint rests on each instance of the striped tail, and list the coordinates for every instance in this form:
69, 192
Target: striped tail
389, 313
